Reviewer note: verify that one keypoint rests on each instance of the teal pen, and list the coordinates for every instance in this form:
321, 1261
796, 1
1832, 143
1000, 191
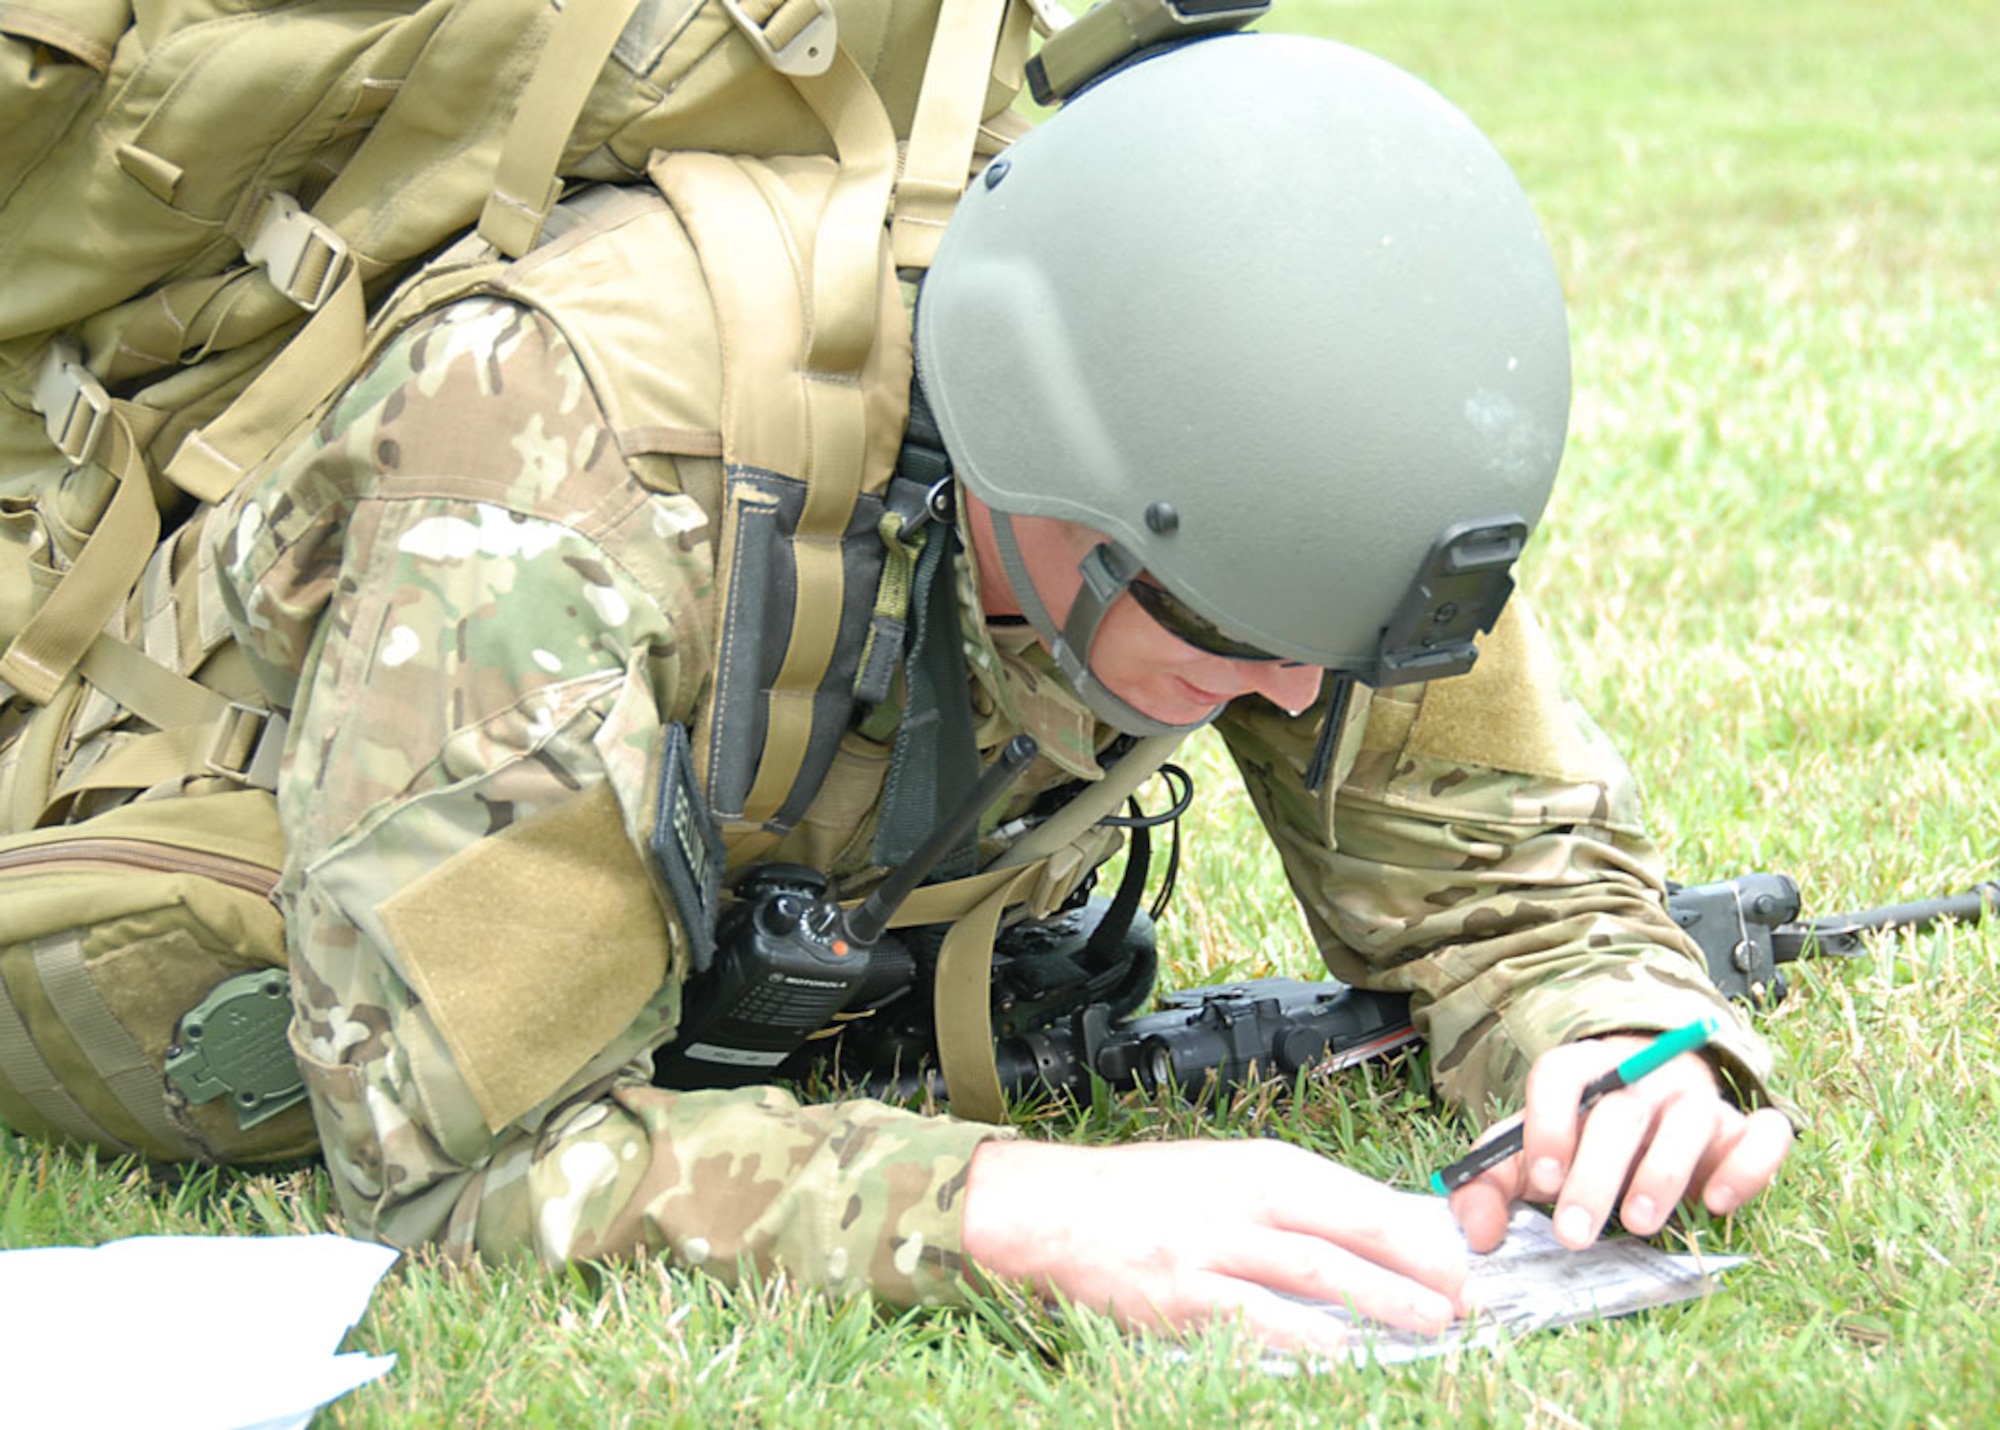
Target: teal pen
1662, 1050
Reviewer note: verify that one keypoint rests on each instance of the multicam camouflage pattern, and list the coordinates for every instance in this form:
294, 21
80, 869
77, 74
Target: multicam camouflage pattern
482, 620
478, 613
1520, 908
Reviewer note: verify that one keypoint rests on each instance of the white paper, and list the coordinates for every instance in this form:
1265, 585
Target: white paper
184, 1332
1531, 1282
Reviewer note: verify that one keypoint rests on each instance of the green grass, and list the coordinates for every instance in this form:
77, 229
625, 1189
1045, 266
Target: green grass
1771, 567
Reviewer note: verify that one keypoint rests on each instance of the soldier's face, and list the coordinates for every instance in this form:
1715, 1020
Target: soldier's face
1136, 658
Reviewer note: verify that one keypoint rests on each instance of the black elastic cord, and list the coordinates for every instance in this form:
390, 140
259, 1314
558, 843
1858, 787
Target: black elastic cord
1139, 819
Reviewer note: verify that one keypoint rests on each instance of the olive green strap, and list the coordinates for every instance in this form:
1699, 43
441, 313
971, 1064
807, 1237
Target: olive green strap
1068, 824
962, 1004
962, 998
305, 372
161, 697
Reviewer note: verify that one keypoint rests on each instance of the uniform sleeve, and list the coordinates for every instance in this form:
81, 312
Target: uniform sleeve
1483, 851
488, 624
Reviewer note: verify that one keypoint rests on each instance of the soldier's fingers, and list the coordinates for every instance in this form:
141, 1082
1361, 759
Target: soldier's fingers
1308, 1266
1402, 1234
1749, 1162
1550, 1125
1484, 1205
1278, 1322
1683, 1133
1612, 1136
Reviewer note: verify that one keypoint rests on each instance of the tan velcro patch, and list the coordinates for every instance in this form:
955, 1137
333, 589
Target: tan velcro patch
533, 949
1508, 712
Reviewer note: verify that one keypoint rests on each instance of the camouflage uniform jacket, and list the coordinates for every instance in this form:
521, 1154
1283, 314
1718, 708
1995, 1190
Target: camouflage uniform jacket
483, 623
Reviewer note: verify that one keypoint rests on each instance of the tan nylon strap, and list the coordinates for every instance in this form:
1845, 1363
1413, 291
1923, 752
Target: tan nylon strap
962, 998
116, 1055
952, 899
35, 1082
962, 1005
1069, 824
36, 22
847, 246
841, 314
36, 755
54, 640
161, 697
306, 371
949, 107
138, 764
525, 181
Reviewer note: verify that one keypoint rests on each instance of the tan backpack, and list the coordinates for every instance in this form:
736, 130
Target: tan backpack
199, 206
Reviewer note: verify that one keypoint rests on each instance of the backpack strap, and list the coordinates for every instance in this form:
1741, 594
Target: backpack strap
950, 105
526, 182
313, 265
814, 374
963, 995
89, 429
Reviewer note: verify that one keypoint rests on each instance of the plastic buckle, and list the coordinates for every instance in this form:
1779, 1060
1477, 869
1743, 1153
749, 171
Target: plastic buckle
301, 255
809, 51
246, 746
232, 1044
75, 407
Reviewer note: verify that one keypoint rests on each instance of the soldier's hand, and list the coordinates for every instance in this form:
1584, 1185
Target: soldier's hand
1640, 1150
1179, 1234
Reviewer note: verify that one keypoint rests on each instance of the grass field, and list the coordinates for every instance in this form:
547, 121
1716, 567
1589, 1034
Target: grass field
1772, 568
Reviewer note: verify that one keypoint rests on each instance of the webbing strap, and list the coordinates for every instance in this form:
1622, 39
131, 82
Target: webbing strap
52, 643
305, 372
326, 351
962, 998
161, 697
131, 1076
242, 745
949, 107
526, 184
842, 307
1104, 796
962, 1005
33, 1081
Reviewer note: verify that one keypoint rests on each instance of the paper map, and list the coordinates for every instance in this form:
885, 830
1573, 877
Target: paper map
1531, 1282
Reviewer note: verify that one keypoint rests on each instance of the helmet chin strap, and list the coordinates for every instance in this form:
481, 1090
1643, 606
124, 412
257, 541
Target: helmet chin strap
1106, 573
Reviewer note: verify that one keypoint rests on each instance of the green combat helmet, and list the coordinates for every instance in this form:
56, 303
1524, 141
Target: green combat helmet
1277, 321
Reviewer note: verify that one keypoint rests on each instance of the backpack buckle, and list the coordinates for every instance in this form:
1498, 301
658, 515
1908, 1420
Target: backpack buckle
797, 38
246, 746
300, 254
75, 407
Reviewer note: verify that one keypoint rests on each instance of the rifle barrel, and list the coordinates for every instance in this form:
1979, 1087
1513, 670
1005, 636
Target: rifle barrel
1967, 908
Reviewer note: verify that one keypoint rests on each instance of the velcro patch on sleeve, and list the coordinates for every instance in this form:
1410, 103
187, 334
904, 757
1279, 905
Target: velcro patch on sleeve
533, 949
1508, 712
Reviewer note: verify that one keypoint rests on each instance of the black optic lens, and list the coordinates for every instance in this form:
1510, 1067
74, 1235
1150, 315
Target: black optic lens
1178, 621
